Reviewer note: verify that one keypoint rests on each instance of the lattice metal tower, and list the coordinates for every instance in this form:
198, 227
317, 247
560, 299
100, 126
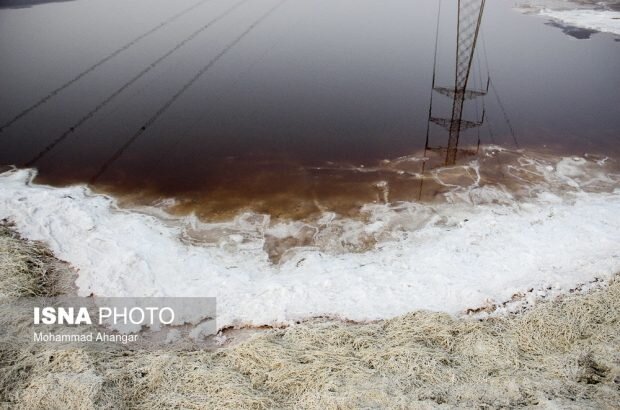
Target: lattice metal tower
468, 27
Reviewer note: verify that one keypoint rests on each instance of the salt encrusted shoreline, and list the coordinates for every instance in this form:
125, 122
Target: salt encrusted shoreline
558, 226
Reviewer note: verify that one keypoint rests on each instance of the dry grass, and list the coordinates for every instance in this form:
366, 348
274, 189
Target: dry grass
29, 268
563, 353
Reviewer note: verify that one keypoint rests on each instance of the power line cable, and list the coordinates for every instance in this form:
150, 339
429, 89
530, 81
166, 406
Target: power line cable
176, 96
99, 63
495, 92
121, 89
169, 151
430, 107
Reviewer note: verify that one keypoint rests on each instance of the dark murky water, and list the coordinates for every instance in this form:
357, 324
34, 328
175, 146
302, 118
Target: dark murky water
227, 103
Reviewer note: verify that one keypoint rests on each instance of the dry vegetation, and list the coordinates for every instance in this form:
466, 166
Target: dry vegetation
564, 353
29, 269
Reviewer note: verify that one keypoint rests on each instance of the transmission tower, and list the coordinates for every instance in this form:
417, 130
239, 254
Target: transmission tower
468, 26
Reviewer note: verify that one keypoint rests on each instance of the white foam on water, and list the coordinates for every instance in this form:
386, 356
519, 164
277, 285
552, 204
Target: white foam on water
599, 20
480, 245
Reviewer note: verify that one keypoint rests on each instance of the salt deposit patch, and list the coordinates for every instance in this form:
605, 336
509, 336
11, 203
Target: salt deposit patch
599, 20
445, 256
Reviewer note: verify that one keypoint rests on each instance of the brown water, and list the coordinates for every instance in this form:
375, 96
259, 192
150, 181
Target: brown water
290, 108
